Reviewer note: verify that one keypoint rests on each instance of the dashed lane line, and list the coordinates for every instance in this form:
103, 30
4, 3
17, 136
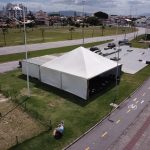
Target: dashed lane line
88, 148
143, 94
142, 101
134, 99
104, 134
118, 121
128, 111
137, 102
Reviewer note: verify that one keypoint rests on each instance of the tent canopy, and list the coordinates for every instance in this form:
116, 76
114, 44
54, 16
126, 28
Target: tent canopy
81, 62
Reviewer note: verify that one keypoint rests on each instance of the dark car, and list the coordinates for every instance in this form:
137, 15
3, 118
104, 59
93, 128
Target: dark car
94, 49
124, 42
111, 45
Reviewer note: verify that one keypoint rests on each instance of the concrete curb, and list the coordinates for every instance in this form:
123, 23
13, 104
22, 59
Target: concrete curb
105, 116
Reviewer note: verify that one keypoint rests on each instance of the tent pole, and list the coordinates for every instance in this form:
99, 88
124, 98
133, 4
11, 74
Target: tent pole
87, 94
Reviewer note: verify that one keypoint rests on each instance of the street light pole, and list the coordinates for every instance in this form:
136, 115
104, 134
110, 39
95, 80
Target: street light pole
117, 70
25, 46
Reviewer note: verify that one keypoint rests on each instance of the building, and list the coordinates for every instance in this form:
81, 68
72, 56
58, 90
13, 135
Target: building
143, 22
41, 18
15, 11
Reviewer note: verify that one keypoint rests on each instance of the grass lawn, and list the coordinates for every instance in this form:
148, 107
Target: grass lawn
47, 103
16, 36
20, 56
135, 42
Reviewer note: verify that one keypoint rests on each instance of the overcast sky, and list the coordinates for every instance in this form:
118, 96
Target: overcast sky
124, 7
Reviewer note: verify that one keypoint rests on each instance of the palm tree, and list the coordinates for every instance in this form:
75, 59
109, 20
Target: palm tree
71, 30
4, 30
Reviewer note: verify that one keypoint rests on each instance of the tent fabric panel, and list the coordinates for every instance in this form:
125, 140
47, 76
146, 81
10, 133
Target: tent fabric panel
81, 63
33, 69
50, 77
74, 85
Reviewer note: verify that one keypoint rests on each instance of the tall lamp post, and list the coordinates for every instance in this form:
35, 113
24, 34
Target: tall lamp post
26, 51
117, 70
116, 79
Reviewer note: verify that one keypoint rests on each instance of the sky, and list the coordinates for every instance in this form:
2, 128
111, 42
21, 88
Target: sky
121, 7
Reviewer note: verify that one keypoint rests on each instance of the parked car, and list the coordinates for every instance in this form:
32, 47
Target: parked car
111, 45
94, 49
124, 42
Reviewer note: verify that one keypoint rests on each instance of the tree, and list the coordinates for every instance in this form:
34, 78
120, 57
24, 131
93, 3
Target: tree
103, 28
4, 30
43, 31
71, 30
30, 16
93, 21
101, 15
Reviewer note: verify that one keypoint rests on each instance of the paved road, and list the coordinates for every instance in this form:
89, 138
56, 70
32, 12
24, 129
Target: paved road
106, 133
137, 136
4, 67
42, 46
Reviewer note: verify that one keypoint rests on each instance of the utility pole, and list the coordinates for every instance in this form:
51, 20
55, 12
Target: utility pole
25, 46
117, 65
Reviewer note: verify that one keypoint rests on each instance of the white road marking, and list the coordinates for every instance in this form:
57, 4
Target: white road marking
143, 94
105, 133
134, 99
132, 106
118, 121
137, 102
128, 111
87, 148
149, 88
142, 101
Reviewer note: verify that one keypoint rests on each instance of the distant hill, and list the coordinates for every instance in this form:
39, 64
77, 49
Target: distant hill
146, 14
71, 13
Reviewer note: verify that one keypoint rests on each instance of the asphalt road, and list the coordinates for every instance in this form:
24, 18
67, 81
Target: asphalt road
4, 67
107, 132
137, 136
42, 46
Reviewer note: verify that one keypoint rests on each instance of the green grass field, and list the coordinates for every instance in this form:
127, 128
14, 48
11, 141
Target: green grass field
16, 36
20, 56
48, 103
135, 42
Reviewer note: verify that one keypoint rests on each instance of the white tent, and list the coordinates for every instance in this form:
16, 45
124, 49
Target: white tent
34, 65
72, 71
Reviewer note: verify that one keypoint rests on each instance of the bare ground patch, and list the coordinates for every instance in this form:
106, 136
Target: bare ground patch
17, 123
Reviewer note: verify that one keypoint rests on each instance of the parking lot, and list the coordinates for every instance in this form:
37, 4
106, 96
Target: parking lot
132, 59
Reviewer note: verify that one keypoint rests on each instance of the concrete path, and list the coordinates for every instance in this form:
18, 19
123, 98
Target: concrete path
42, 46
9, 66
107, 132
